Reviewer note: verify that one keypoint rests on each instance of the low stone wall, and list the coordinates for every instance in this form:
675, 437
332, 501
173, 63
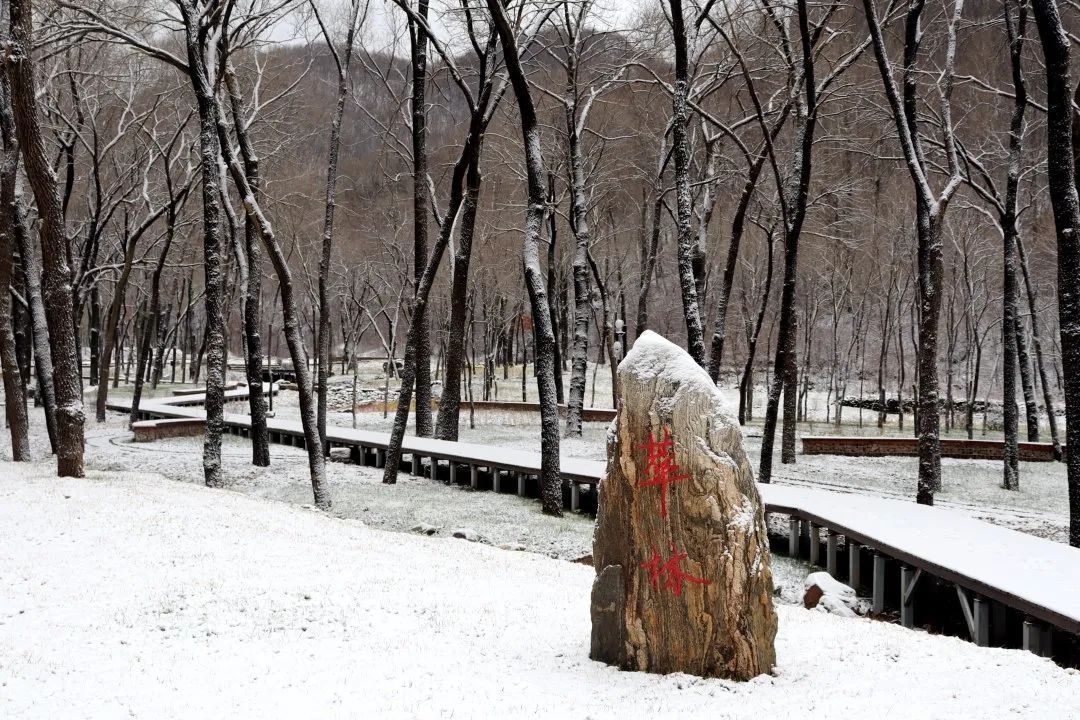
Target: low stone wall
150, 430
909, 447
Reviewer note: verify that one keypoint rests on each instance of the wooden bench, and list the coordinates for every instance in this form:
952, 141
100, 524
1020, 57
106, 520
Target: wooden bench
150, 430
884, 446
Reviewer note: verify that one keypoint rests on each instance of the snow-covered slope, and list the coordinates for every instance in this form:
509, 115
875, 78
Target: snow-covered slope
128, 595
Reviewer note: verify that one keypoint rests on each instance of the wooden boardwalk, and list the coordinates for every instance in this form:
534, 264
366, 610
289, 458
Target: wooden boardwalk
992, 568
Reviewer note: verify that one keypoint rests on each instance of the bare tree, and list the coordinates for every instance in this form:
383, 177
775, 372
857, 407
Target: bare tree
1063, 196
14, 390
930, 213
343, 62
550, 478
57, 276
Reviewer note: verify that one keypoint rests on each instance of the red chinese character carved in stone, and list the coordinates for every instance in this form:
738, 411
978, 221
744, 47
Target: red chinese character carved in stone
660, 467
670, 572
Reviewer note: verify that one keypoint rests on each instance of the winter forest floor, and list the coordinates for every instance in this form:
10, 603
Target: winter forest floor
130, 595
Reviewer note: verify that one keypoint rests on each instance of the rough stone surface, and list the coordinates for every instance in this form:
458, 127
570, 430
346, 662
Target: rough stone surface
827, 594
690, 591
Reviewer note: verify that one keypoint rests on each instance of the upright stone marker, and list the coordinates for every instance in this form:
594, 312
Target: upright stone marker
681, 553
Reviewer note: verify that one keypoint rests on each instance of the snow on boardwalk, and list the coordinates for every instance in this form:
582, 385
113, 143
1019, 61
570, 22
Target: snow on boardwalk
126, 595
1037, 576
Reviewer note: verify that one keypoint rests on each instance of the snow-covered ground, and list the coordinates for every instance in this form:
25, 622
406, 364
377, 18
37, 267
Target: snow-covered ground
130, 595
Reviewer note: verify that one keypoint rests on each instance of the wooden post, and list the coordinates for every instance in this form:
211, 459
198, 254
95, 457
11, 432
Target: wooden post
853, 563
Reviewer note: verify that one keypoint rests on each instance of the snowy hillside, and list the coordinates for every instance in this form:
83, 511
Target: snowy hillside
129, 595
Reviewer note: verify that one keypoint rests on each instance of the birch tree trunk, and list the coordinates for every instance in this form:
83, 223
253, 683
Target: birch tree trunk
57, 277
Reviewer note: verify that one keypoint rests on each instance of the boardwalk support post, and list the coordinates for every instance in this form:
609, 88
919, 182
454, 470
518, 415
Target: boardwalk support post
520, 483
474, 477
815, 545
909, 578
380, 458
977, 615
854, 554
793, 536
1032, 636
453, 473
496, 479
830, 553
879, 583
575, 496
356, 455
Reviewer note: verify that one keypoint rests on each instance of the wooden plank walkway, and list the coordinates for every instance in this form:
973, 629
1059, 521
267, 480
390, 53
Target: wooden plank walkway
988, 564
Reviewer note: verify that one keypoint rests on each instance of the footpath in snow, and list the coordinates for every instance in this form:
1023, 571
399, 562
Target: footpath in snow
128, 595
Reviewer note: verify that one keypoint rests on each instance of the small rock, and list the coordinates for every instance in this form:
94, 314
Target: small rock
584, 560
826, 593
466, 534
425, 529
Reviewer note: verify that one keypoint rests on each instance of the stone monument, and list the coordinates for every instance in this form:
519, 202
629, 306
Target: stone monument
683, 582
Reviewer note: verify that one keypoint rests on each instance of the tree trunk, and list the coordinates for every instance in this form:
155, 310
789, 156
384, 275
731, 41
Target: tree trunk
14, 389
552, 284
1010, 324
579, 217
94, 330
786, 375
1027, 383
328, 218
449, 417
1062, 186
746, 385
252, 290
31, 276
1036, 341
290, 312
422, 350
695, 337
57, 277
213, 251
550, 478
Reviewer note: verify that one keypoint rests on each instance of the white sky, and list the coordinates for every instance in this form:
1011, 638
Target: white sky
385, 19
